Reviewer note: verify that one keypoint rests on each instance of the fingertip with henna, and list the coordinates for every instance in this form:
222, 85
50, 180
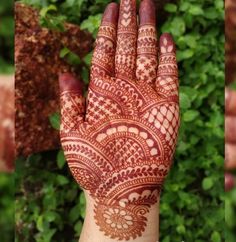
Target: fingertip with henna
111, 13
167, 44
68, 82
147, 12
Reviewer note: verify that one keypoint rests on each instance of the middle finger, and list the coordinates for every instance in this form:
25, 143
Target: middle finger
125, 60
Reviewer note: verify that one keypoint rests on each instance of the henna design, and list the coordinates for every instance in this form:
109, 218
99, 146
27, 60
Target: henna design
126, 51
122, 150
147, 51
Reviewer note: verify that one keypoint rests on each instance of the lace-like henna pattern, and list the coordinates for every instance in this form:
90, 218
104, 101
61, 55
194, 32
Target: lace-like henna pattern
125, 59
121, 152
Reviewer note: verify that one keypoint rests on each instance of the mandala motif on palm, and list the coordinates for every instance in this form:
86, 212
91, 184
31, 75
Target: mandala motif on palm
123, 158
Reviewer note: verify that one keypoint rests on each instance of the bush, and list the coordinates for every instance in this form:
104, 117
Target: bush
50, 206
6, 37
7, 207
192, 207
230, 214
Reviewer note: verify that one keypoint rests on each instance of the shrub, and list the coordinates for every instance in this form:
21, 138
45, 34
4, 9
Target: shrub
7, 207
6, 37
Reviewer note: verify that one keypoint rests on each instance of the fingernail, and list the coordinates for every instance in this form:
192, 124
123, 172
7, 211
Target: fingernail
167, 44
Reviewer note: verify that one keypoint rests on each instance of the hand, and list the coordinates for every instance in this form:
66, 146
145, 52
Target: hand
230, 129
230, 137
121, 145
6, 123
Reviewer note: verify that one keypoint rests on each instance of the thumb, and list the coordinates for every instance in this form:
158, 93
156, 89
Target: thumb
72, 102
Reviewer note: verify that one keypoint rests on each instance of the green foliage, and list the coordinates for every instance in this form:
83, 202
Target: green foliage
230, 214
92, 24
6, 37
192, 207
55, 120
7, 207
50, 206
49, 20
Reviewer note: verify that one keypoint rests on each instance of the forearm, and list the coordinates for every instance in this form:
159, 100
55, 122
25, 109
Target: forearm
92, 232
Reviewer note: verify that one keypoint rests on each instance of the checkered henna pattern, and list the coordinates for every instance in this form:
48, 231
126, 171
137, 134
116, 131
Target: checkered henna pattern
121, 145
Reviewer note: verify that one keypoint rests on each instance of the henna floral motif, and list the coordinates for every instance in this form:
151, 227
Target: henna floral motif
121, 150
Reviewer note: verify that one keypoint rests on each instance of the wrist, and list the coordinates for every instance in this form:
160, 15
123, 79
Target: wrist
107, 224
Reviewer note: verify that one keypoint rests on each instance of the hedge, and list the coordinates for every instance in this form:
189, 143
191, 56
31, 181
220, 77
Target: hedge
49, 204
6, 37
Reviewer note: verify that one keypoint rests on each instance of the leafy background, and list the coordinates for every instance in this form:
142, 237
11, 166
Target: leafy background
6, 67
50, 206
6, 37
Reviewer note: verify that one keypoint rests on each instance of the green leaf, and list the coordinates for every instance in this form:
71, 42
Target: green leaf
40, 223
55, 121
185, 54
78, 228
50, 216
64, 52
207, 183
92, 24
61, 160
178, 26
88, 58
44, 11
181, 229
215, 237
74, 213
190, 115
212, 13
85, 75
195, 10
62, 180
185, 101
71, 58
170, 7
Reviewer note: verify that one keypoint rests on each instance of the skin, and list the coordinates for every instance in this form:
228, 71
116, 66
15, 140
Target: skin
230, 129
6, 123
120, 145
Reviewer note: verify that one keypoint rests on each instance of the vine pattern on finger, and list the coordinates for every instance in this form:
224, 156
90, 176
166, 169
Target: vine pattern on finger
103, 58
167, 80
146, 70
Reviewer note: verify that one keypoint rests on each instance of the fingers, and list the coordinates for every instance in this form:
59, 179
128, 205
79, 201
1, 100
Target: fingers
147, 43
229, 181
72, 102
230, 103
167, 80
103, 61
125, 60
230, 129
230, 156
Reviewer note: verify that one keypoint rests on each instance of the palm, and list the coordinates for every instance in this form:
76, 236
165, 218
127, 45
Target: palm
122, 150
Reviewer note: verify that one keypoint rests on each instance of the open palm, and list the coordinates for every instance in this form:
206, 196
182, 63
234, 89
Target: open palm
120, 147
